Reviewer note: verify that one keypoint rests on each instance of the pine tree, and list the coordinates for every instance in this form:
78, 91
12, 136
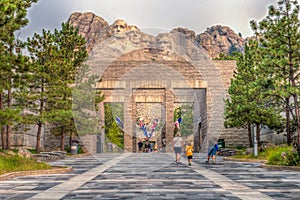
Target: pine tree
66, 59
13, 18
248, 103
55, 59
85, 102
280, 46
35, 95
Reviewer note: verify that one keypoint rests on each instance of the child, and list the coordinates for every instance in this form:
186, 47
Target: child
189, 153
212, 152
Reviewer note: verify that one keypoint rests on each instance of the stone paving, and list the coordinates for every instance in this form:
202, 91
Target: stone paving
154, 176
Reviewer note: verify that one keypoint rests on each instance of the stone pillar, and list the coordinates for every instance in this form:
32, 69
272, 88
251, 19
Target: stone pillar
203, 113
169, 105
197, 119
102, 124
133, 117
128, 130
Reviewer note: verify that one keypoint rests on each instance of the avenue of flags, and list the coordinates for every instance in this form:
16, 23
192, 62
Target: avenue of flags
143, 127
152, 128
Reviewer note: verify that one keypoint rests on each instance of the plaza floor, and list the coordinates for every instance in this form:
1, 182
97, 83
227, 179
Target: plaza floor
154, 176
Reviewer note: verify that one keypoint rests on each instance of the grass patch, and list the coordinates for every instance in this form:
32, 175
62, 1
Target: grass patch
261, 156
283, 155
14, 163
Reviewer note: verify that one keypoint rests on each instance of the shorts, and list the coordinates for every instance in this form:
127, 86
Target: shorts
177, 150
190, 157
212, 151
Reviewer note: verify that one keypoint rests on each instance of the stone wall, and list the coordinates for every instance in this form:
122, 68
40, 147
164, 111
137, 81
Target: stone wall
160, 80
233, 137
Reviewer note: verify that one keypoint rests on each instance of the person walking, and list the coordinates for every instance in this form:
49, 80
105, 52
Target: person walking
140, 146
177, 143
189, 153
212, 152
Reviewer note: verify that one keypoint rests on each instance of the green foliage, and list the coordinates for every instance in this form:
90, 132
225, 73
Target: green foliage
283, 155
262, 155
279, 43
115, 136
177, 114
56, 58
229, 56
185, 111
13, 65
263, 84
9, 163
249, 102
112, 131
85, 102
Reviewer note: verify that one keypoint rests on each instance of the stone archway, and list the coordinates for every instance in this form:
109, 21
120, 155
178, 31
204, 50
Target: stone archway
184, 75
172, 81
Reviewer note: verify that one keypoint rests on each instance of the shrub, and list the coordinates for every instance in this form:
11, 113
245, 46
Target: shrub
283, 155
11, 163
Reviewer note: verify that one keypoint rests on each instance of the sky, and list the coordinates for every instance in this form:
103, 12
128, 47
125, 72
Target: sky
152, 16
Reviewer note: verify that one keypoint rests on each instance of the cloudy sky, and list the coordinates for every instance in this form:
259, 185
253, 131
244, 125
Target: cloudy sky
152, 15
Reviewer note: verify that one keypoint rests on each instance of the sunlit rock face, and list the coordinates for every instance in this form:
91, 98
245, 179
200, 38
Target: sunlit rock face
93, 28
220, 39
215, 40
169, 68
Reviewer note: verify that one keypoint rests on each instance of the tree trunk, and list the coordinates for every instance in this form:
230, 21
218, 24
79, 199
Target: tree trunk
287, 123
297, 121
38, 137
3, 137
250, 135
258, 134
62, 138
40, 124
71, 138
2, 127
8, 133
8, 127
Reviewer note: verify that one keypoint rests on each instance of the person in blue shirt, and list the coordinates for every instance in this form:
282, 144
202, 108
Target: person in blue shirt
212, 151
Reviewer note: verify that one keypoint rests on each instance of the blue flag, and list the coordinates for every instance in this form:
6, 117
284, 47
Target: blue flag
119, 122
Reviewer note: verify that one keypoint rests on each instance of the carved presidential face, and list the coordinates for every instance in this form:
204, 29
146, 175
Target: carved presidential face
163, 42
134, 36
119, 26
146, 40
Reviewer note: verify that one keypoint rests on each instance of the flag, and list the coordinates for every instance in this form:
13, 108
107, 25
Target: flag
119, 122
154, 124
177, 123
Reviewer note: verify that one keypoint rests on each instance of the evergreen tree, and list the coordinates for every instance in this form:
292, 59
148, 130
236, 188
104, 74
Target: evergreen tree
12, 18
66, 59
55, 59
112, 130
186, 114
248, 103
85, 102
280, 46
35, 95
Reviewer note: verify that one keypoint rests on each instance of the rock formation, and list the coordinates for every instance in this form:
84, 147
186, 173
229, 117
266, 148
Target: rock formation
93, 28
220, 39
215, 40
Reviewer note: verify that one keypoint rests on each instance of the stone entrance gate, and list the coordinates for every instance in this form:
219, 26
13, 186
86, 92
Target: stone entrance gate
182, 74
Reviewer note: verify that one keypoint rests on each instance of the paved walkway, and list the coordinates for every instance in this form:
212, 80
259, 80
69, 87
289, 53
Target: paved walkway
154, 176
